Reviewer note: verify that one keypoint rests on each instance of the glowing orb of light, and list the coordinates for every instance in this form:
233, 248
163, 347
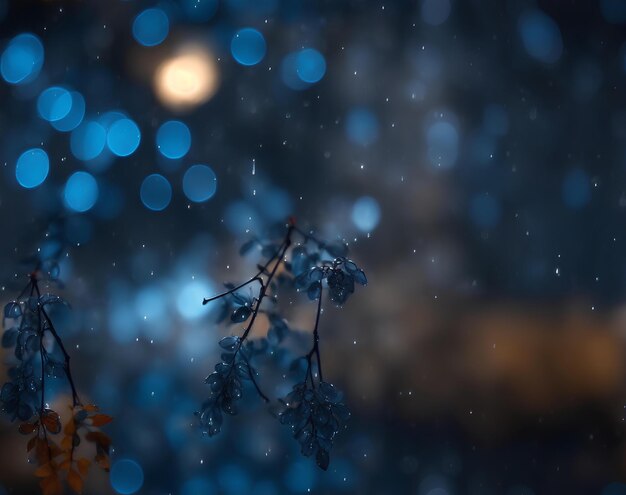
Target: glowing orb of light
87, 140
32, 168
151, 27
123, 137
199, 183
81, 192
126, 477
248, 46
187, 79
22, 59
310, 65
366, 213
74, 117
541, 36
173, 139
54, 103
155, 192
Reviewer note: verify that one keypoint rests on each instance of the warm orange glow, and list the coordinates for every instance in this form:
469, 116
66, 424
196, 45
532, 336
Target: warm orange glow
186, 79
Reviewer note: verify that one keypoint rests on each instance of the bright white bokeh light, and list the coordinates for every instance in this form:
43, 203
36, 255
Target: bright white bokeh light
187, 79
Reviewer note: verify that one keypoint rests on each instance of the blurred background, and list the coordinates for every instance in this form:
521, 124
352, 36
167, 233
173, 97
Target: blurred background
470, 152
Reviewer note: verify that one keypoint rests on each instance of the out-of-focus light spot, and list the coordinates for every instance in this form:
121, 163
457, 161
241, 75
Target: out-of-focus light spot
362, 126
151, 27
233, 480
156, 192
442, 140
289, 73
123, 137
126, 476
495, 120
576, 189
198, 485
435, 12
310, 65
366, 214
613, 11
484, 211
81, 192
189, 300
248, 46
74, 117
109, 118
87, 140
199, 183
300, 476
32, 168
614, 488
482, 148
541, 36
186, 79
54, 103
173, 139
199, 10
22, 59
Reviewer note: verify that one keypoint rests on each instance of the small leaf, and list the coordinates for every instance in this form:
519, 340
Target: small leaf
83, 466
44, 471
12, 310
314, 291
247, 247
51, 421
27, 428
322, 458
241, 314
359, 277
229, 343
9, 337
31, 444
52, 299
100, 419
74, 481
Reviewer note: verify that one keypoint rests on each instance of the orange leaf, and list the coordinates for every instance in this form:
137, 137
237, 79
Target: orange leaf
100, 419
104, 462
83, 466
44, 471
51, 485
31, 444
51, 421
70, 427
65, 465
54, 449
99, 438
75, 481
90, 408
27, 428
66, 443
